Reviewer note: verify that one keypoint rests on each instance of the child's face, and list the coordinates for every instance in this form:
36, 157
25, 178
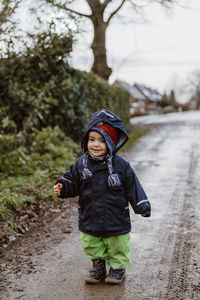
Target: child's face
96, 144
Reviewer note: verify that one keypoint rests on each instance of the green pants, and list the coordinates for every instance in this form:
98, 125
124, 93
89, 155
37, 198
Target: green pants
114, 249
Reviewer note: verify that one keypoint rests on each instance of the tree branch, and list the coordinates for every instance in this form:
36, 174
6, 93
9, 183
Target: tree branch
105, 3
114, 12
63, 6
165, 3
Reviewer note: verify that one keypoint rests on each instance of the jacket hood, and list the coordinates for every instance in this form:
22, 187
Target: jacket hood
105, 116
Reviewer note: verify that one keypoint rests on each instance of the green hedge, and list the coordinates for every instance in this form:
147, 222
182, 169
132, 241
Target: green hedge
40, 89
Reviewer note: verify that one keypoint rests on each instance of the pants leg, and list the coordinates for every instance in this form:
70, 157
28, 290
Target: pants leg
119, 254
94, 247
114, 249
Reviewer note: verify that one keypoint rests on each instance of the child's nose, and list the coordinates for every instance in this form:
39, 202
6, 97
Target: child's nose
96, 143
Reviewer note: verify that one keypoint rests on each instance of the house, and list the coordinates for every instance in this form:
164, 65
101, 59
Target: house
143, 100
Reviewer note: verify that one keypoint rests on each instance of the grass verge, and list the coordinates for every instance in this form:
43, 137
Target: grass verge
133, 138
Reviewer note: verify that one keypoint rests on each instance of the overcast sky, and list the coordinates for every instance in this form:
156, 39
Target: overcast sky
160, 52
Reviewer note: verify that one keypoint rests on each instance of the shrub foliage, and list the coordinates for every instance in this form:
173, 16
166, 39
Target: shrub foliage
28, 173
39, 89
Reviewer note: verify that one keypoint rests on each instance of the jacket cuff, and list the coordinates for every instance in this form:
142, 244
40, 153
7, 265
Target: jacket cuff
144, 207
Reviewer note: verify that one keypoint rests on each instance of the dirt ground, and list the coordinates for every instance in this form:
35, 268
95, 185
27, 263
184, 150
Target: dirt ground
48, 263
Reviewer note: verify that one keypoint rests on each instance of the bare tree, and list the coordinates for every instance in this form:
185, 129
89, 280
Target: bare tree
99, 8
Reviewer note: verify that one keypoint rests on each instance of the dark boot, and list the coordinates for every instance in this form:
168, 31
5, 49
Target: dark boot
115, 276
97, 272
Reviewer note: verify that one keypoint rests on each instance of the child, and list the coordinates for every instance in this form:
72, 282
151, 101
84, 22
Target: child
106, 185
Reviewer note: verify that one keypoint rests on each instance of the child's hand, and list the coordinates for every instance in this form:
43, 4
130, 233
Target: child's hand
147, 214
57, 188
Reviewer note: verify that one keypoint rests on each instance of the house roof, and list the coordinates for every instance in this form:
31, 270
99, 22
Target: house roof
132, 90
141, 92
152, 94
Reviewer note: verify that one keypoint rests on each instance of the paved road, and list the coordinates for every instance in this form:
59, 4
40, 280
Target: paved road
165, 247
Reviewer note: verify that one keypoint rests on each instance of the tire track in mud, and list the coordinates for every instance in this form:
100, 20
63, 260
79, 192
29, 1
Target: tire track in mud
179, 284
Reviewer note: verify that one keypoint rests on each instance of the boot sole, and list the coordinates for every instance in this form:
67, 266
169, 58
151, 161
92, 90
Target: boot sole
114, 281
93, 281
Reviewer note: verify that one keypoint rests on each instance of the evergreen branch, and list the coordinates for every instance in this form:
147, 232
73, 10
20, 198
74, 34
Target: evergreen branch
7, 9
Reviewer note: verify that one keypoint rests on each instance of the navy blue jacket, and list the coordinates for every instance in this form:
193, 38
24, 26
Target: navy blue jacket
104, 209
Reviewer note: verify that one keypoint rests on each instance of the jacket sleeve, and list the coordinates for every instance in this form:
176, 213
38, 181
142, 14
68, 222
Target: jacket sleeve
70, 182
135, 194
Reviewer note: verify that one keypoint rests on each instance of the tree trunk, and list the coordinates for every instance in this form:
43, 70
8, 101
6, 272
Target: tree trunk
98, 46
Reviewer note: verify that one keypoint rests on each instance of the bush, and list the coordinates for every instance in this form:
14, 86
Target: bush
27, 174
50, 150
39, 89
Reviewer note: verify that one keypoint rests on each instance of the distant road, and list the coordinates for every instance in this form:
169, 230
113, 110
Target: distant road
191, 116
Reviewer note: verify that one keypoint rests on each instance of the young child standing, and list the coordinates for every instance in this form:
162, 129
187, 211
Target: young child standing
106, 185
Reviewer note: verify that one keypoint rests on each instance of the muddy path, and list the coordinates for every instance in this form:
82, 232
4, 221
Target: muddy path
48, 263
